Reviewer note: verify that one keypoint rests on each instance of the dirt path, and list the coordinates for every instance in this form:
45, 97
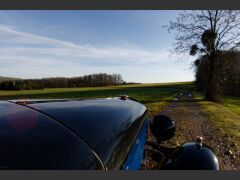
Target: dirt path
192, 122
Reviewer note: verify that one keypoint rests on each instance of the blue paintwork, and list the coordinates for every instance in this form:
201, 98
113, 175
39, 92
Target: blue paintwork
137, 154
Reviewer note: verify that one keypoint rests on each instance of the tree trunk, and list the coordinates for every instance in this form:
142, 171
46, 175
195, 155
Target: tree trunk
214, 89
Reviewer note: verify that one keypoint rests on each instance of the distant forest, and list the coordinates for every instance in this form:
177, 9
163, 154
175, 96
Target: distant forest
92, 80
229, 67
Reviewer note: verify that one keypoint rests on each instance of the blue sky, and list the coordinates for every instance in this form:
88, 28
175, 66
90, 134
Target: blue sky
36, 44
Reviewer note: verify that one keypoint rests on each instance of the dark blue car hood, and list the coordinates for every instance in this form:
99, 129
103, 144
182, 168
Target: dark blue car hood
32, 140
109, 126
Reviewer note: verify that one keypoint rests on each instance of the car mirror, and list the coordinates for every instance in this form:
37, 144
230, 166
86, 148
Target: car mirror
162, 127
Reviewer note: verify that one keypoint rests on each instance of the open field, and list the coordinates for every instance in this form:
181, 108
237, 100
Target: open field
85, 92
154, 96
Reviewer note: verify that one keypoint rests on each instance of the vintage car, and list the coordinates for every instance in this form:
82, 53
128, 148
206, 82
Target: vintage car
103, 134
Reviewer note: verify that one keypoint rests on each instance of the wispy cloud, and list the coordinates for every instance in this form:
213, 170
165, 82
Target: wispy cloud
9, 34
29, 56
39, 45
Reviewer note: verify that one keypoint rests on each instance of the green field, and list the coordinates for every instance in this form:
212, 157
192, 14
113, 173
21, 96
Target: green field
233, 104
154, 96
226, 116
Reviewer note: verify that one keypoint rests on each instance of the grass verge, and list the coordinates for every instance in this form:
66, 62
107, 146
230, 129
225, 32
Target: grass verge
225, 117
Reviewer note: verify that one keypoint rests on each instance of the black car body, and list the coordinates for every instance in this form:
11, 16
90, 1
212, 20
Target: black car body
72, 134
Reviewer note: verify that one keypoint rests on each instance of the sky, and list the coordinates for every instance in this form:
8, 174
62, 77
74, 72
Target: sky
37, 44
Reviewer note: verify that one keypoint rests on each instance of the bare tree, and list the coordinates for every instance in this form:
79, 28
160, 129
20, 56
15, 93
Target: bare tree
210, 33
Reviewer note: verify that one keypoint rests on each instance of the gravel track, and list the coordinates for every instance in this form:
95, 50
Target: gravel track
191, 122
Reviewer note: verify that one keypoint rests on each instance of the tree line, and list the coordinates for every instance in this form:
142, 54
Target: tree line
92, 80
229, 66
